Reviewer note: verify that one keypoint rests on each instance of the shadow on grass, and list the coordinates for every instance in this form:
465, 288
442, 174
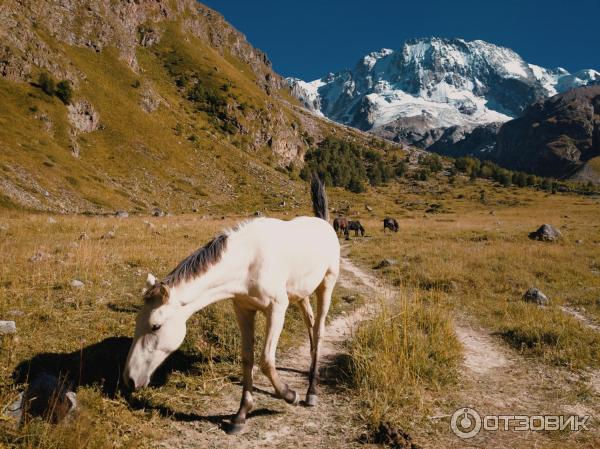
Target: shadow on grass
99, 364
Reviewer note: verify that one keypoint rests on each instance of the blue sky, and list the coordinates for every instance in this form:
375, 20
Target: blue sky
310, 38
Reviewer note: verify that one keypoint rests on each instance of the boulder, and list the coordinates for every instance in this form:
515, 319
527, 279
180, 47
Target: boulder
534, 295
48, 397
122, 214
546, 233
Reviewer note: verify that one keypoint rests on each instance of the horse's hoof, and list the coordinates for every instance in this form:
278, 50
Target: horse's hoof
311, 400
234, 428
295, 400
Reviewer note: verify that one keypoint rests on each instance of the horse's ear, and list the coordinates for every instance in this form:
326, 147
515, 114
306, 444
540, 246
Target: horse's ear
164, 292
150, 281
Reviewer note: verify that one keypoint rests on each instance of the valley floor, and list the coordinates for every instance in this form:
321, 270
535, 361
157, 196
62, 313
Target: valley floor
458, 269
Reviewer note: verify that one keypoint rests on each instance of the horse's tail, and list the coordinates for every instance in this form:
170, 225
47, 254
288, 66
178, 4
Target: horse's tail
319, 198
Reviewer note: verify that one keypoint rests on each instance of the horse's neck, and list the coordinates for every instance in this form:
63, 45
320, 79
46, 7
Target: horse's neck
221, 281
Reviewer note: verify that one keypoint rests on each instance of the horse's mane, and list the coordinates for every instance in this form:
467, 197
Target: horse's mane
202, 259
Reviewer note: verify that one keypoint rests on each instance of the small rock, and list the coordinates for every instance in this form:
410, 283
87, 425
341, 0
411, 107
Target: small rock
349, 298
385, 263
259, 214
122, 214
149, 224
108, 235
536, 296
369, 208
195, 210
546, 233
158, 212
76, 283
38, 257
579, 242
282, 204
84, 236
8, 327
51, 220
16, 312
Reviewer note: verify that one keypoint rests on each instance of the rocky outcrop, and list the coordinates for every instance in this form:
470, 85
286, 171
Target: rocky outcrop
83, 117
554, 137
99, 24
458, 141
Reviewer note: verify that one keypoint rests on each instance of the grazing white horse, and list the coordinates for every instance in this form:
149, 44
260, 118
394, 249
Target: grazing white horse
263, 265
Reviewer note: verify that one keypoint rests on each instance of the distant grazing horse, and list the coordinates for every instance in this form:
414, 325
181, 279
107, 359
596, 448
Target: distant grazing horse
356, 227
340, 224
260, 268
391, 224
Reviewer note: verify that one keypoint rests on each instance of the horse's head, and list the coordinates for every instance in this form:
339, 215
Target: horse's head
159, 330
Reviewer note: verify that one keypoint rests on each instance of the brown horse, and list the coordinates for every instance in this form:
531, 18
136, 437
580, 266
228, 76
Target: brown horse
340, 225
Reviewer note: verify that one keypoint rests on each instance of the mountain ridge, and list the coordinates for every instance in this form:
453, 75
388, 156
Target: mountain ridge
446, 82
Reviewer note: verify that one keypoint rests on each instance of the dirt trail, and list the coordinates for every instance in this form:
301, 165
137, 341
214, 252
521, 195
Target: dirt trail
494, 380
275, 423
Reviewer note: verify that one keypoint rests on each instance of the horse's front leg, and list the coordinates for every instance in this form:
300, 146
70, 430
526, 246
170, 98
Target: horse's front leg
245, 319
275, 318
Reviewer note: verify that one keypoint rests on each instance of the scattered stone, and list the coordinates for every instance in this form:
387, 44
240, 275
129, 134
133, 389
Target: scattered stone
385, 263
349, 298
122, 214
108, 235
546, 233
48, 397
76, 283
8, 327
536, 296
51, 220
39, 256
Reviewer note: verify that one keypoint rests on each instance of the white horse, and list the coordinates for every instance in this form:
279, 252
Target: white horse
263, 265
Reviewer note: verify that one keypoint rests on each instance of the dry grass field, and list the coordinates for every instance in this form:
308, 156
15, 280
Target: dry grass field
459, 262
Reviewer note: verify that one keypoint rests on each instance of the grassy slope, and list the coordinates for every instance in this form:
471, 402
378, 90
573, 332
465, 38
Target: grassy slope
175, 158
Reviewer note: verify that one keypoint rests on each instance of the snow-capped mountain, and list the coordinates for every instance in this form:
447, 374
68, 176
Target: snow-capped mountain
433, 84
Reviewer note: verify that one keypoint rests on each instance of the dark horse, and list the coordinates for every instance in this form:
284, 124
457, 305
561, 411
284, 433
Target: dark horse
340, 224
391, 224
356, 227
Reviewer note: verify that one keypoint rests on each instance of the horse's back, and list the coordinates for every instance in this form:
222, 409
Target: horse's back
297, 253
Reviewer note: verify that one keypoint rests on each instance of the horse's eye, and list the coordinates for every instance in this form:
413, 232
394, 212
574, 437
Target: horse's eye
155, 327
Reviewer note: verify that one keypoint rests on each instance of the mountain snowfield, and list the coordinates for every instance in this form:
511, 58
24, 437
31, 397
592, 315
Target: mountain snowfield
435, 83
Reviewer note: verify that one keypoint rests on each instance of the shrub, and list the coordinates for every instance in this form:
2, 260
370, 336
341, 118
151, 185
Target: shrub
433, 162
64, 91
46, 83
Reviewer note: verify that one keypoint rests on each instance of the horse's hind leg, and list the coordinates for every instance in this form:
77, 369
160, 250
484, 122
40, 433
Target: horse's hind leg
309, 319
245, 319
275, 318
324, 292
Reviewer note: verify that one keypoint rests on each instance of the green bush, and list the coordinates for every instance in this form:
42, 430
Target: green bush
46, 83
64, 92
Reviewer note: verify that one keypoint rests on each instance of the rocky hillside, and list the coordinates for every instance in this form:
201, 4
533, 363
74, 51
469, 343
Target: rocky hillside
142, 105
558, 137
414, 94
